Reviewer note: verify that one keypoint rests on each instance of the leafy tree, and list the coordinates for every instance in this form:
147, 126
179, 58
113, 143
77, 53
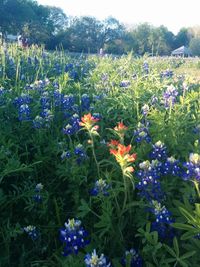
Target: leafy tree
195, 46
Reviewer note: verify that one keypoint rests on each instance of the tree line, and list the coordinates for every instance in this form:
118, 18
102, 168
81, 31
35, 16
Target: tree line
52, 27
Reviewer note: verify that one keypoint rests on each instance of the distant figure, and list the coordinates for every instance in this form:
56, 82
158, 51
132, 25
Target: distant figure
101, 52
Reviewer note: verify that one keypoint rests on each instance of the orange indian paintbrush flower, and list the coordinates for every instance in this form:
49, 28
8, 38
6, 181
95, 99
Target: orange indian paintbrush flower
123, 157
88, 121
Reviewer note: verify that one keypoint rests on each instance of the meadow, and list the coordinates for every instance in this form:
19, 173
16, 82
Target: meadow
99, 160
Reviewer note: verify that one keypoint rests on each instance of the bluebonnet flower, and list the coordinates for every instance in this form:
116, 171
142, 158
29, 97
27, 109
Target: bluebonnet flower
68, 101
73, 74
171, 166
100, 187
167, 74
73, 236
170, 96
94, 260
37, 197
69, 67
48, 116
154, 100
68, 129
66, 155
125, 83
163, 221
149, 185
32, 232
80, 152
57, 97
161, 213
146, 67
192, 168
133, 258
73, 125
24, 112
38, 122
142, 133
45, 100
159, 151
145, 109
23, 99
74, 121
85, 102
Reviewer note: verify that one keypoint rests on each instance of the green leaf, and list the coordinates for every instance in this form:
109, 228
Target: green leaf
176, 247
187, 255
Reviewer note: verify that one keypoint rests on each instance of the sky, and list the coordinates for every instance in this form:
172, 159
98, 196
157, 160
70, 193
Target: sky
174, 14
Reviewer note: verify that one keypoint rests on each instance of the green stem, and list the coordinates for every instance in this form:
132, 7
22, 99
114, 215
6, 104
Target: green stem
125, 195
94, 155
197, 188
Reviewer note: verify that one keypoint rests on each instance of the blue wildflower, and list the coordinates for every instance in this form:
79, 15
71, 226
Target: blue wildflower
171, 167
149, 185
32, 232
159, 151
24, 112
65, 155
192, 168
93, 260
100, 187
125, 83
80, 152
133, 258
73, 236
142, 133
85, 102
170, 96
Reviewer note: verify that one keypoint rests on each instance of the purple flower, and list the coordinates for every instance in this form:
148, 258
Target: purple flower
73, 236
170, 96
101, 187
142, 133
159, 151
133, 258
93, 260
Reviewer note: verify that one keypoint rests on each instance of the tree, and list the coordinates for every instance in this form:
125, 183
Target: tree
195, 46
182, 38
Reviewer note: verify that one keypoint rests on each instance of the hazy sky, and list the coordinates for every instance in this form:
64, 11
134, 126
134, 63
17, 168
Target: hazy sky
172, 13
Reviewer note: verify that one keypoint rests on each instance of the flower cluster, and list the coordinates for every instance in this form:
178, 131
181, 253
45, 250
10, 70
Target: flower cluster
120, 129
125, 83
163, 221
32, 232
142, 133
100, 187
170, 96
159, 151
171, 167
88, 121
73, 126
149, 184
80, 153
37, 197
133, 258
73, 236
122, 156
192, 168
167, 74
93, 260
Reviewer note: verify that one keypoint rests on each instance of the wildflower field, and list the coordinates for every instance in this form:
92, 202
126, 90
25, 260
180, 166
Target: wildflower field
99, 160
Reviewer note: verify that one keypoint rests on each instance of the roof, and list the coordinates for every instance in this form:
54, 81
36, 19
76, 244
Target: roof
181, 50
